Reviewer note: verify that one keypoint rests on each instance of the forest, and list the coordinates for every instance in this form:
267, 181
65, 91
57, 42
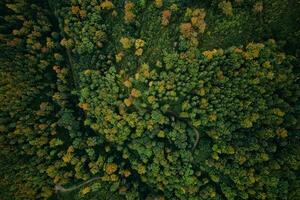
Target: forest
150, 99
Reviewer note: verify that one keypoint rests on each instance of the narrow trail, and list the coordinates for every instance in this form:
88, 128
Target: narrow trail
59, 188
75, 78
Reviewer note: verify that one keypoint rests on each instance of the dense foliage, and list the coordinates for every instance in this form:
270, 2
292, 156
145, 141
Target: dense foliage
149, 99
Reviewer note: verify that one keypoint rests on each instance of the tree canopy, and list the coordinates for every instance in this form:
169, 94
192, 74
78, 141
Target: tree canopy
149, 99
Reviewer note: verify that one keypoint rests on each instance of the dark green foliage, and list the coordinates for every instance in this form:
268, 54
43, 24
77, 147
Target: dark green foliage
158, 99
149, 120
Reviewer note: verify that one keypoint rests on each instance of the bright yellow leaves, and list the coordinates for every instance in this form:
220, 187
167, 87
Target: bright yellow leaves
86, 190
55, 142
44, 107
278, 112
82, 13
129, 15
264, 156
75, 10
248, 122
107, 147
197, 20
128, 101
139, 44
111, 168
139, 52
190, 30
158, 3
106, 5
119, 57
281, 132
215, 156
51, 171
226, 8
100, 35
253, 50
241, 159
238, 50
258, 7
141, 169
68, 156
37, 46
151, 99
230, 150
267, 65
186, 30
127, 83
212, 117
70, 149
135, 93
215, 178
114, 13
145, 70
94, 167
251, 179
87, 72
280, 58
126, 173
161, 134
166, 15
202, 92
220, 75
126, 42
42, 126
174, 7
158, 64
66, 43
84, 106
185, 106
209, 54
110, 178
